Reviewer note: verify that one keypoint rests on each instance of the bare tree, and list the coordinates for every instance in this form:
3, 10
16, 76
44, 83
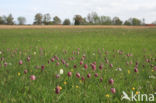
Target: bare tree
21, 20
93, 18
46, 19
105, 20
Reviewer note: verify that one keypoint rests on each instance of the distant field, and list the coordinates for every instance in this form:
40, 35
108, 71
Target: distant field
80, 27
98, 63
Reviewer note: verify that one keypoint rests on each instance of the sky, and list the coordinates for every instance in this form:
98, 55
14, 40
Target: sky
68, 8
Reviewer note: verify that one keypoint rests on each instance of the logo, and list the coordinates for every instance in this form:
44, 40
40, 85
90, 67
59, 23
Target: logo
137, 97
125, 96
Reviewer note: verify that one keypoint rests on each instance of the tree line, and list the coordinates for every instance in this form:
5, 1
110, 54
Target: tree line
92, 19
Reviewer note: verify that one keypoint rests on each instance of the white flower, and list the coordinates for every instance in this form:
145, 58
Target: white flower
152, 77
0, 52
118, 69
93, 53
61, 71
34, 53
10, 63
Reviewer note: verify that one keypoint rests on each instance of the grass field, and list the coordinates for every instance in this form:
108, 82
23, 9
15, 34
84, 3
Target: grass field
97, 64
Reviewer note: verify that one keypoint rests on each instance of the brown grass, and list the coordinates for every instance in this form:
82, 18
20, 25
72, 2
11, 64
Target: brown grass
70, 27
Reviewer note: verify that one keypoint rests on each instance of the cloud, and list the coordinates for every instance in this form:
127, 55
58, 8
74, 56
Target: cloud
68, 8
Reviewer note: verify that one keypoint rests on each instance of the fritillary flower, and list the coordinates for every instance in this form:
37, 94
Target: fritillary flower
85, 66
111, 65
42, 67
111, 81
20, 62
101, 79
101, 66
25, 71
136, 69
33, 77
82, 78
52, 59
78, 75
81, 62
113, 90
28, 58
96, 74
154, 68
57, 76
57, 90
69, 74
61, 71
89, 75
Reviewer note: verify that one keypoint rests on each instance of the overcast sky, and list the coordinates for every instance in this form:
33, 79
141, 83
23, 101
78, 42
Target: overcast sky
68, 8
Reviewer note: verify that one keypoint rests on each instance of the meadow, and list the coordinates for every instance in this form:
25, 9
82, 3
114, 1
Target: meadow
76, 65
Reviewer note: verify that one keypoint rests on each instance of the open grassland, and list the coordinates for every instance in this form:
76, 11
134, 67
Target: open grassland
76, 65
71, 26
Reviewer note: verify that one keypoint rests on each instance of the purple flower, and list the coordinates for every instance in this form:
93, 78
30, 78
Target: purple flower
69, 74
111, 81
96, 74
113, 90
89, 75
20, 62
33, 77
78, 75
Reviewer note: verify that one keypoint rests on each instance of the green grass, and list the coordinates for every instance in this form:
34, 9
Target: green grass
18, 44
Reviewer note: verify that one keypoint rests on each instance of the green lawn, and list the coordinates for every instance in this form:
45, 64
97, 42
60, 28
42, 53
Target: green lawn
103, 46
